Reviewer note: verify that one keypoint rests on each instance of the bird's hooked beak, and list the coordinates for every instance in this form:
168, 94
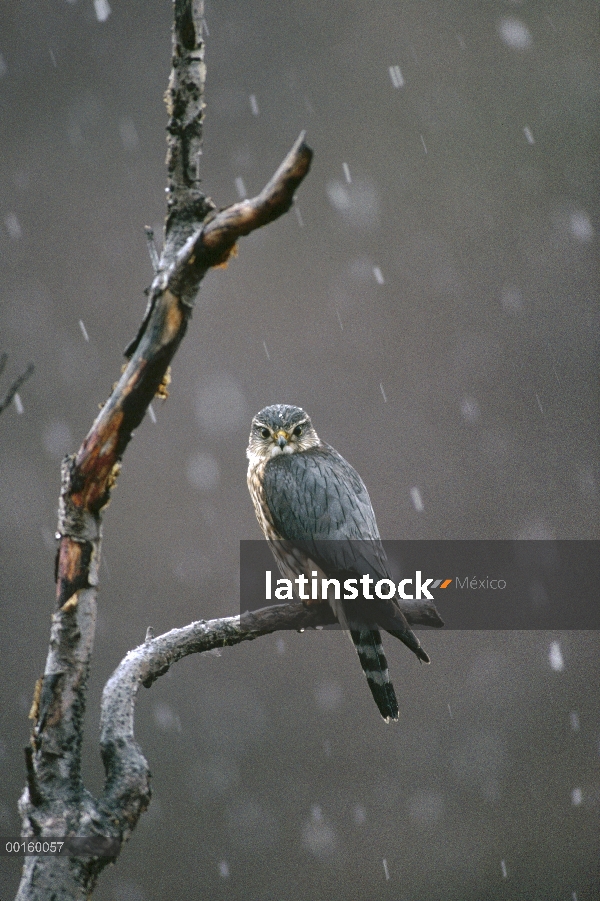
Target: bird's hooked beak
281, 438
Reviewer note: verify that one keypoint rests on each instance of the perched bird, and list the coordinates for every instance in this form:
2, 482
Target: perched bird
316, 514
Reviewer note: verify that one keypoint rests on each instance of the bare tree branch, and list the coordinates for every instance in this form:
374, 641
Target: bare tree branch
6, 402
127, 772
55, 802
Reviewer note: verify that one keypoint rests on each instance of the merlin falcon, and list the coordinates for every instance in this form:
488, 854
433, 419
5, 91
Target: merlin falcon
316, 514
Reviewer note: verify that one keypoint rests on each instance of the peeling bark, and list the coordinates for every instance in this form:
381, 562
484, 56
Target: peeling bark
55, 803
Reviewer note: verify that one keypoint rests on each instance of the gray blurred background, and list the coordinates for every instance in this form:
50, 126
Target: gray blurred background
431, 303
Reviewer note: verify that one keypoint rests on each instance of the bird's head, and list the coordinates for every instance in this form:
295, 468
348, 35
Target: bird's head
280, 429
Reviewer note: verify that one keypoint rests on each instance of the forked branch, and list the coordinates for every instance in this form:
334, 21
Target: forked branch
55, 802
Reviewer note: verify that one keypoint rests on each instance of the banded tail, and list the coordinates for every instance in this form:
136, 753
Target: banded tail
367, 642
374, 664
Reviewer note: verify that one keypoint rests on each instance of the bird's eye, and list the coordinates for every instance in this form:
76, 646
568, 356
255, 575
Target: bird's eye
297, 431
265, 433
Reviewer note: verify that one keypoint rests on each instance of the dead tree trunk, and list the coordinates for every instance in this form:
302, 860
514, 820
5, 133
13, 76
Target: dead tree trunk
55, 804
